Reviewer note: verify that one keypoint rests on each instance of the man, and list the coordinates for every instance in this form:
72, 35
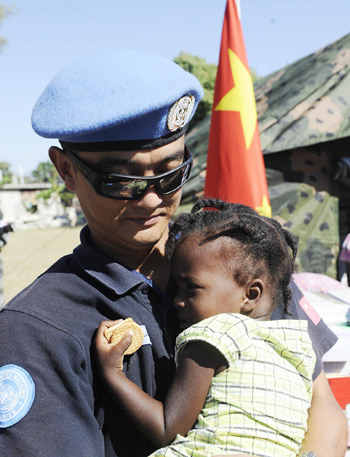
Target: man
121, 119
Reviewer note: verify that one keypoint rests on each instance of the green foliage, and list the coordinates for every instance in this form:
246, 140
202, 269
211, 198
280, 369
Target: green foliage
65, 195
5, 173
47, 173
206, 74
4, 12
253, 74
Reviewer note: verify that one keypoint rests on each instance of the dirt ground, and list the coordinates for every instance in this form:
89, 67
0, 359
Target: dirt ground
30, 252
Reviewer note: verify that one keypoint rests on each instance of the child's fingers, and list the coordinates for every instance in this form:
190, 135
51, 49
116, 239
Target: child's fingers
114, 353
104, 325
116, 350
124, 343
115, 339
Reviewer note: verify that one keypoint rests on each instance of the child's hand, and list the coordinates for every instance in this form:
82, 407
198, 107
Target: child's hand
110, 356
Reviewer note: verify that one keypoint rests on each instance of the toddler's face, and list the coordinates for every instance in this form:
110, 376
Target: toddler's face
205, 285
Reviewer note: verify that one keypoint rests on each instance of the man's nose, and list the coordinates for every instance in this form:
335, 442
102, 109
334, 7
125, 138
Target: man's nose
151, 197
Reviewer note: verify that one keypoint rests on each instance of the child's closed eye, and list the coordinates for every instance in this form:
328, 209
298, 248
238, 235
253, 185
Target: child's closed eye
193, 286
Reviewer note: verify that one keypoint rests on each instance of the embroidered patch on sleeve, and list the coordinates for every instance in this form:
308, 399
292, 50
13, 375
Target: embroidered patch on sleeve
17, 392
310, 310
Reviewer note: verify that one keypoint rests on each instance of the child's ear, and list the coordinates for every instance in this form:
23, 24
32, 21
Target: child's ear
253, 295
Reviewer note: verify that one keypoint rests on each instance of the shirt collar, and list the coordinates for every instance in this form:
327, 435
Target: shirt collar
102, 269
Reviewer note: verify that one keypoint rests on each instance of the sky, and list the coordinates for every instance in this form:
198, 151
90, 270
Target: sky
44, 35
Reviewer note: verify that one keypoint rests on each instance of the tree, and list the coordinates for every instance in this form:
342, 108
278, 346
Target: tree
206, 75
4, 12
5, 173
47, 173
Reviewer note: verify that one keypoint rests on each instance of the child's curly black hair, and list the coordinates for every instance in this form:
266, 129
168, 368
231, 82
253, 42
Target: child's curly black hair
264, 249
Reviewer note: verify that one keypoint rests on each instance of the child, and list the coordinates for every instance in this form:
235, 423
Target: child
243, 383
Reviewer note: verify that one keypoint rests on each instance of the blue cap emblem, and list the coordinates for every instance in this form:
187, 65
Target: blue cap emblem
180, 113
17, 391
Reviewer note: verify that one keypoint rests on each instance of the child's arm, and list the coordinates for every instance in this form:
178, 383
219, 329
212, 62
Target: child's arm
186, 396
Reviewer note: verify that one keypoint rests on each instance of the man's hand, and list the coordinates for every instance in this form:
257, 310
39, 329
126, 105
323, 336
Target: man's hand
326, 432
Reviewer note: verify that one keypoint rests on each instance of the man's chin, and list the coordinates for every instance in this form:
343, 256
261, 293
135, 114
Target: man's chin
151, 235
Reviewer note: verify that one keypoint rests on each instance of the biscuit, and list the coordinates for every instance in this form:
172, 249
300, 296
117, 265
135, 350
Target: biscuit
115, 333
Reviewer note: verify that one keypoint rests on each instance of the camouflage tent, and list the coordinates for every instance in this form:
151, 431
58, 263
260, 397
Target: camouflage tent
304, 123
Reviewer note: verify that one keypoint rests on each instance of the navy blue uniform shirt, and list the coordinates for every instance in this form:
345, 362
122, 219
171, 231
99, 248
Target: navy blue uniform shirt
48, 329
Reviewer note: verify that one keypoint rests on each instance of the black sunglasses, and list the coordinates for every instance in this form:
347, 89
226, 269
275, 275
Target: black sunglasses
125, 187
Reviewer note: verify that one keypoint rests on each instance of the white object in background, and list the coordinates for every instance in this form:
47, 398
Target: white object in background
341, 294
332, 310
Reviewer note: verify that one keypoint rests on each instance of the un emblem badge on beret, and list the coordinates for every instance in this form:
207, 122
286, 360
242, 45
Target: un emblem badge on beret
180, 112
17, 393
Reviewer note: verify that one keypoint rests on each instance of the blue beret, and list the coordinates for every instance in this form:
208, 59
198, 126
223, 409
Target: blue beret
133, 98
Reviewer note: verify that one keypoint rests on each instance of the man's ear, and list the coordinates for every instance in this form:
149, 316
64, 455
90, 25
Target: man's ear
253, 296
63, 166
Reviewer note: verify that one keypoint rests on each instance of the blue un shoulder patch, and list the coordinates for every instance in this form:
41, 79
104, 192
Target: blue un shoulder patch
17, 391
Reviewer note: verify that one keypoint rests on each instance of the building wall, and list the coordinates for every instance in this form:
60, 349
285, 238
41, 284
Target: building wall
16, 205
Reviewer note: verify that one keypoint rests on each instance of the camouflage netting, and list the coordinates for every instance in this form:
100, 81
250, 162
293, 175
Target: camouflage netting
304, 123
312, 216
306, 102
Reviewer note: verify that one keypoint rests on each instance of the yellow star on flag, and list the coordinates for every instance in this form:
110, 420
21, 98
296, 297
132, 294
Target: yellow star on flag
265, 208
241, 97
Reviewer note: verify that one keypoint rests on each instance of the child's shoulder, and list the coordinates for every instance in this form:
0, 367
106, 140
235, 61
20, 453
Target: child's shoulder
221, 331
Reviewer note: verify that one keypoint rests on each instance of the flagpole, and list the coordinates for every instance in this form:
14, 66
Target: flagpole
238, 6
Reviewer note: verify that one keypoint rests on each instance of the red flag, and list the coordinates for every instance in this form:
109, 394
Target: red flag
235, 164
